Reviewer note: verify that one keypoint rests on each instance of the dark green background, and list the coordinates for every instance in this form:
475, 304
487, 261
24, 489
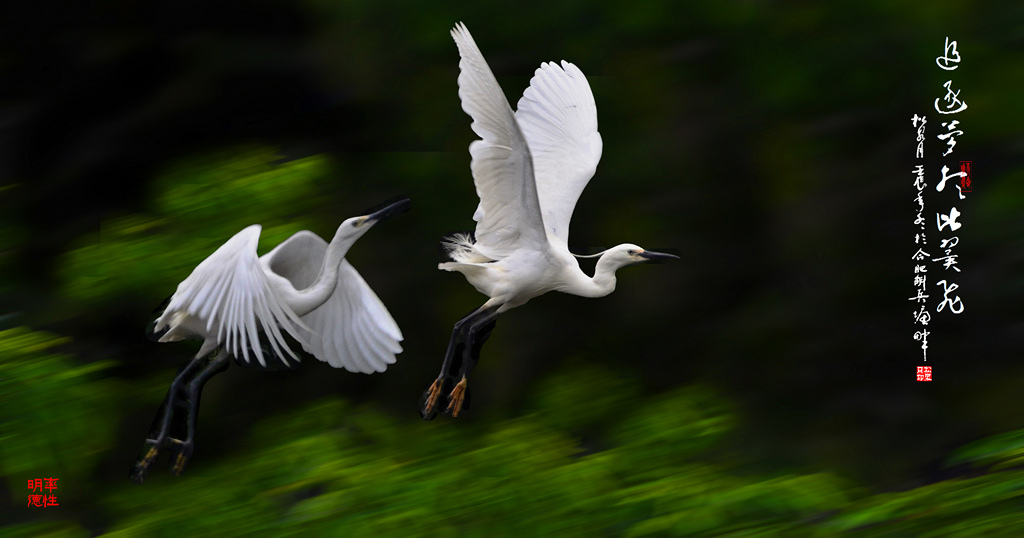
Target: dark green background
763, 384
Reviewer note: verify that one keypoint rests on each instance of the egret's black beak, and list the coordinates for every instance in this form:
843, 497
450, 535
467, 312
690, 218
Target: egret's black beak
657, 257
401, 205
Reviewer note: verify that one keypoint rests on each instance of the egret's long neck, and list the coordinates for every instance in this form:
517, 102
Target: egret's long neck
316, 294
602, 283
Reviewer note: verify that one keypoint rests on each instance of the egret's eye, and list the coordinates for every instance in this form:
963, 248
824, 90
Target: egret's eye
355, 223
632, 252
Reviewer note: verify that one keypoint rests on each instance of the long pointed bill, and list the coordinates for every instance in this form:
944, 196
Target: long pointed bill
657, 257
395, 208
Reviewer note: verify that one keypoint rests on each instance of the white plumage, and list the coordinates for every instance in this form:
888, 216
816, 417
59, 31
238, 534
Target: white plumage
558, 117
233, 296
352, 329
236, 302
227, 300
529, 167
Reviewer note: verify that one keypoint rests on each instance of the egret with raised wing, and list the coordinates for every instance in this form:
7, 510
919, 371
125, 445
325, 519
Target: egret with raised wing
243, 306
529, 168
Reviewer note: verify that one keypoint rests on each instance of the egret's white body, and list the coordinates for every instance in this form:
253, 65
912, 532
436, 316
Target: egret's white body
515, 279
530, 167
235, 302
303, 287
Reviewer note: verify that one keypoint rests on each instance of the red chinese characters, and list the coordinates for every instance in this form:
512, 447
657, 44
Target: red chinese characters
42, 500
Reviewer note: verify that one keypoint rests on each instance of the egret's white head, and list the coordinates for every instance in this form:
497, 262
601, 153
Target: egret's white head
354, 228
629, 254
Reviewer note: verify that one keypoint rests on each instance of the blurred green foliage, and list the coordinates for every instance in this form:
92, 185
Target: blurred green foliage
55, 414
202, 202
333, 468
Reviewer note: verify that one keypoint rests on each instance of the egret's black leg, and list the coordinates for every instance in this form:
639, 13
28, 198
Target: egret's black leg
476, 333
169, 415
428, 402
181, 449
162, 422
452, 364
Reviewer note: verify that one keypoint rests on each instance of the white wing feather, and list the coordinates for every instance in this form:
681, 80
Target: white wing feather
352, 329
558, 118
508, 216
230, 294
355, 329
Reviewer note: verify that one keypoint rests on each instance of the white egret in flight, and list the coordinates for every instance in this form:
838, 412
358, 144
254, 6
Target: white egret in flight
529, 168
242, 306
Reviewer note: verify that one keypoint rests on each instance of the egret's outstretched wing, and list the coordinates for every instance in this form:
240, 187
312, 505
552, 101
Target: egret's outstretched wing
508, 216
229, 291
558, 117
353, 329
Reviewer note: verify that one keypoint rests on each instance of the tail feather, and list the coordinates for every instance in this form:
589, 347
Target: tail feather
460, 247
152, 332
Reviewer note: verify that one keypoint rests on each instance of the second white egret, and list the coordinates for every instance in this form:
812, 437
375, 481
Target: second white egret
242, 306
529, 168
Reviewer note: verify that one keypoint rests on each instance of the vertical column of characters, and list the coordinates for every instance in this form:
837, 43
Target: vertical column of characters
949, 105
920, 257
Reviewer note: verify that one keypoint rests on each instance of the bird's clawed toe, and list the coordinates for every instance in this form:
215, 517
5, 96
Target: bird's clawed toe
428, 402
458, 399
181, 451
138, 472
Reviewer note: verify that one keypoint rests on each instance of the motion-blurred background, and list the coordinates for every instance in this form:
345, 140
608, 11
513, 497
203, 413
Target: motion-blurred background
764, 384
